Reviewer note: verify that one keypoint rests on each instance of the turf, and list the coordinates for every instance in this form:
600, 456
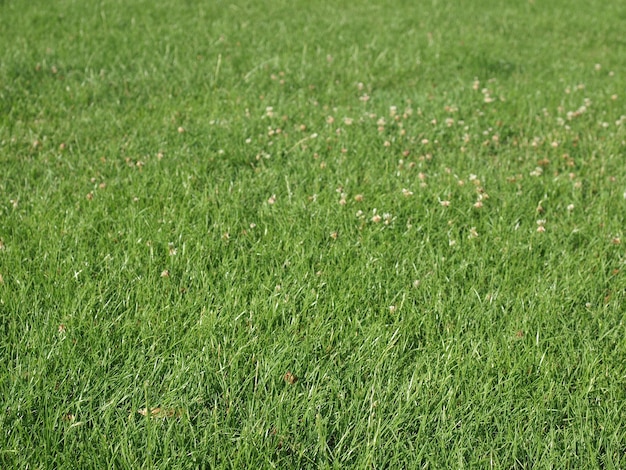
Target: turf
312, 234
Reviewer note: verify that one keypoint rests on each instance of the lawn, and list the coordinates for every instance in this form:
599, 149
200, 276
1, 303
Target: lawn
289, 234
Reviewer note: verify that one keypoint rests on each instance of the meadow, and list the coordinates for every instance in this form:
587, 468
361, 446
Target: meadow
297, 234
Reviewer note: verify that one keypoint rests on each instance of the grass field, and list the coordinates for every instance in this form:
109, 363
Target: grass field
297, 234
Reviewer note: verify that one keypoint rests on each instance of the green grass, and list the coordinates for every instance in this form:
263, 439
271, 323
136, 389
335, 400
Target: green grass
190, 195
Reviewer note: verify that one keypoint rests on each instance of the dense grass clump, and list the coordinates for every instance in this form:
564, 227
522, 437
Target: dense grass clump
312, 234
